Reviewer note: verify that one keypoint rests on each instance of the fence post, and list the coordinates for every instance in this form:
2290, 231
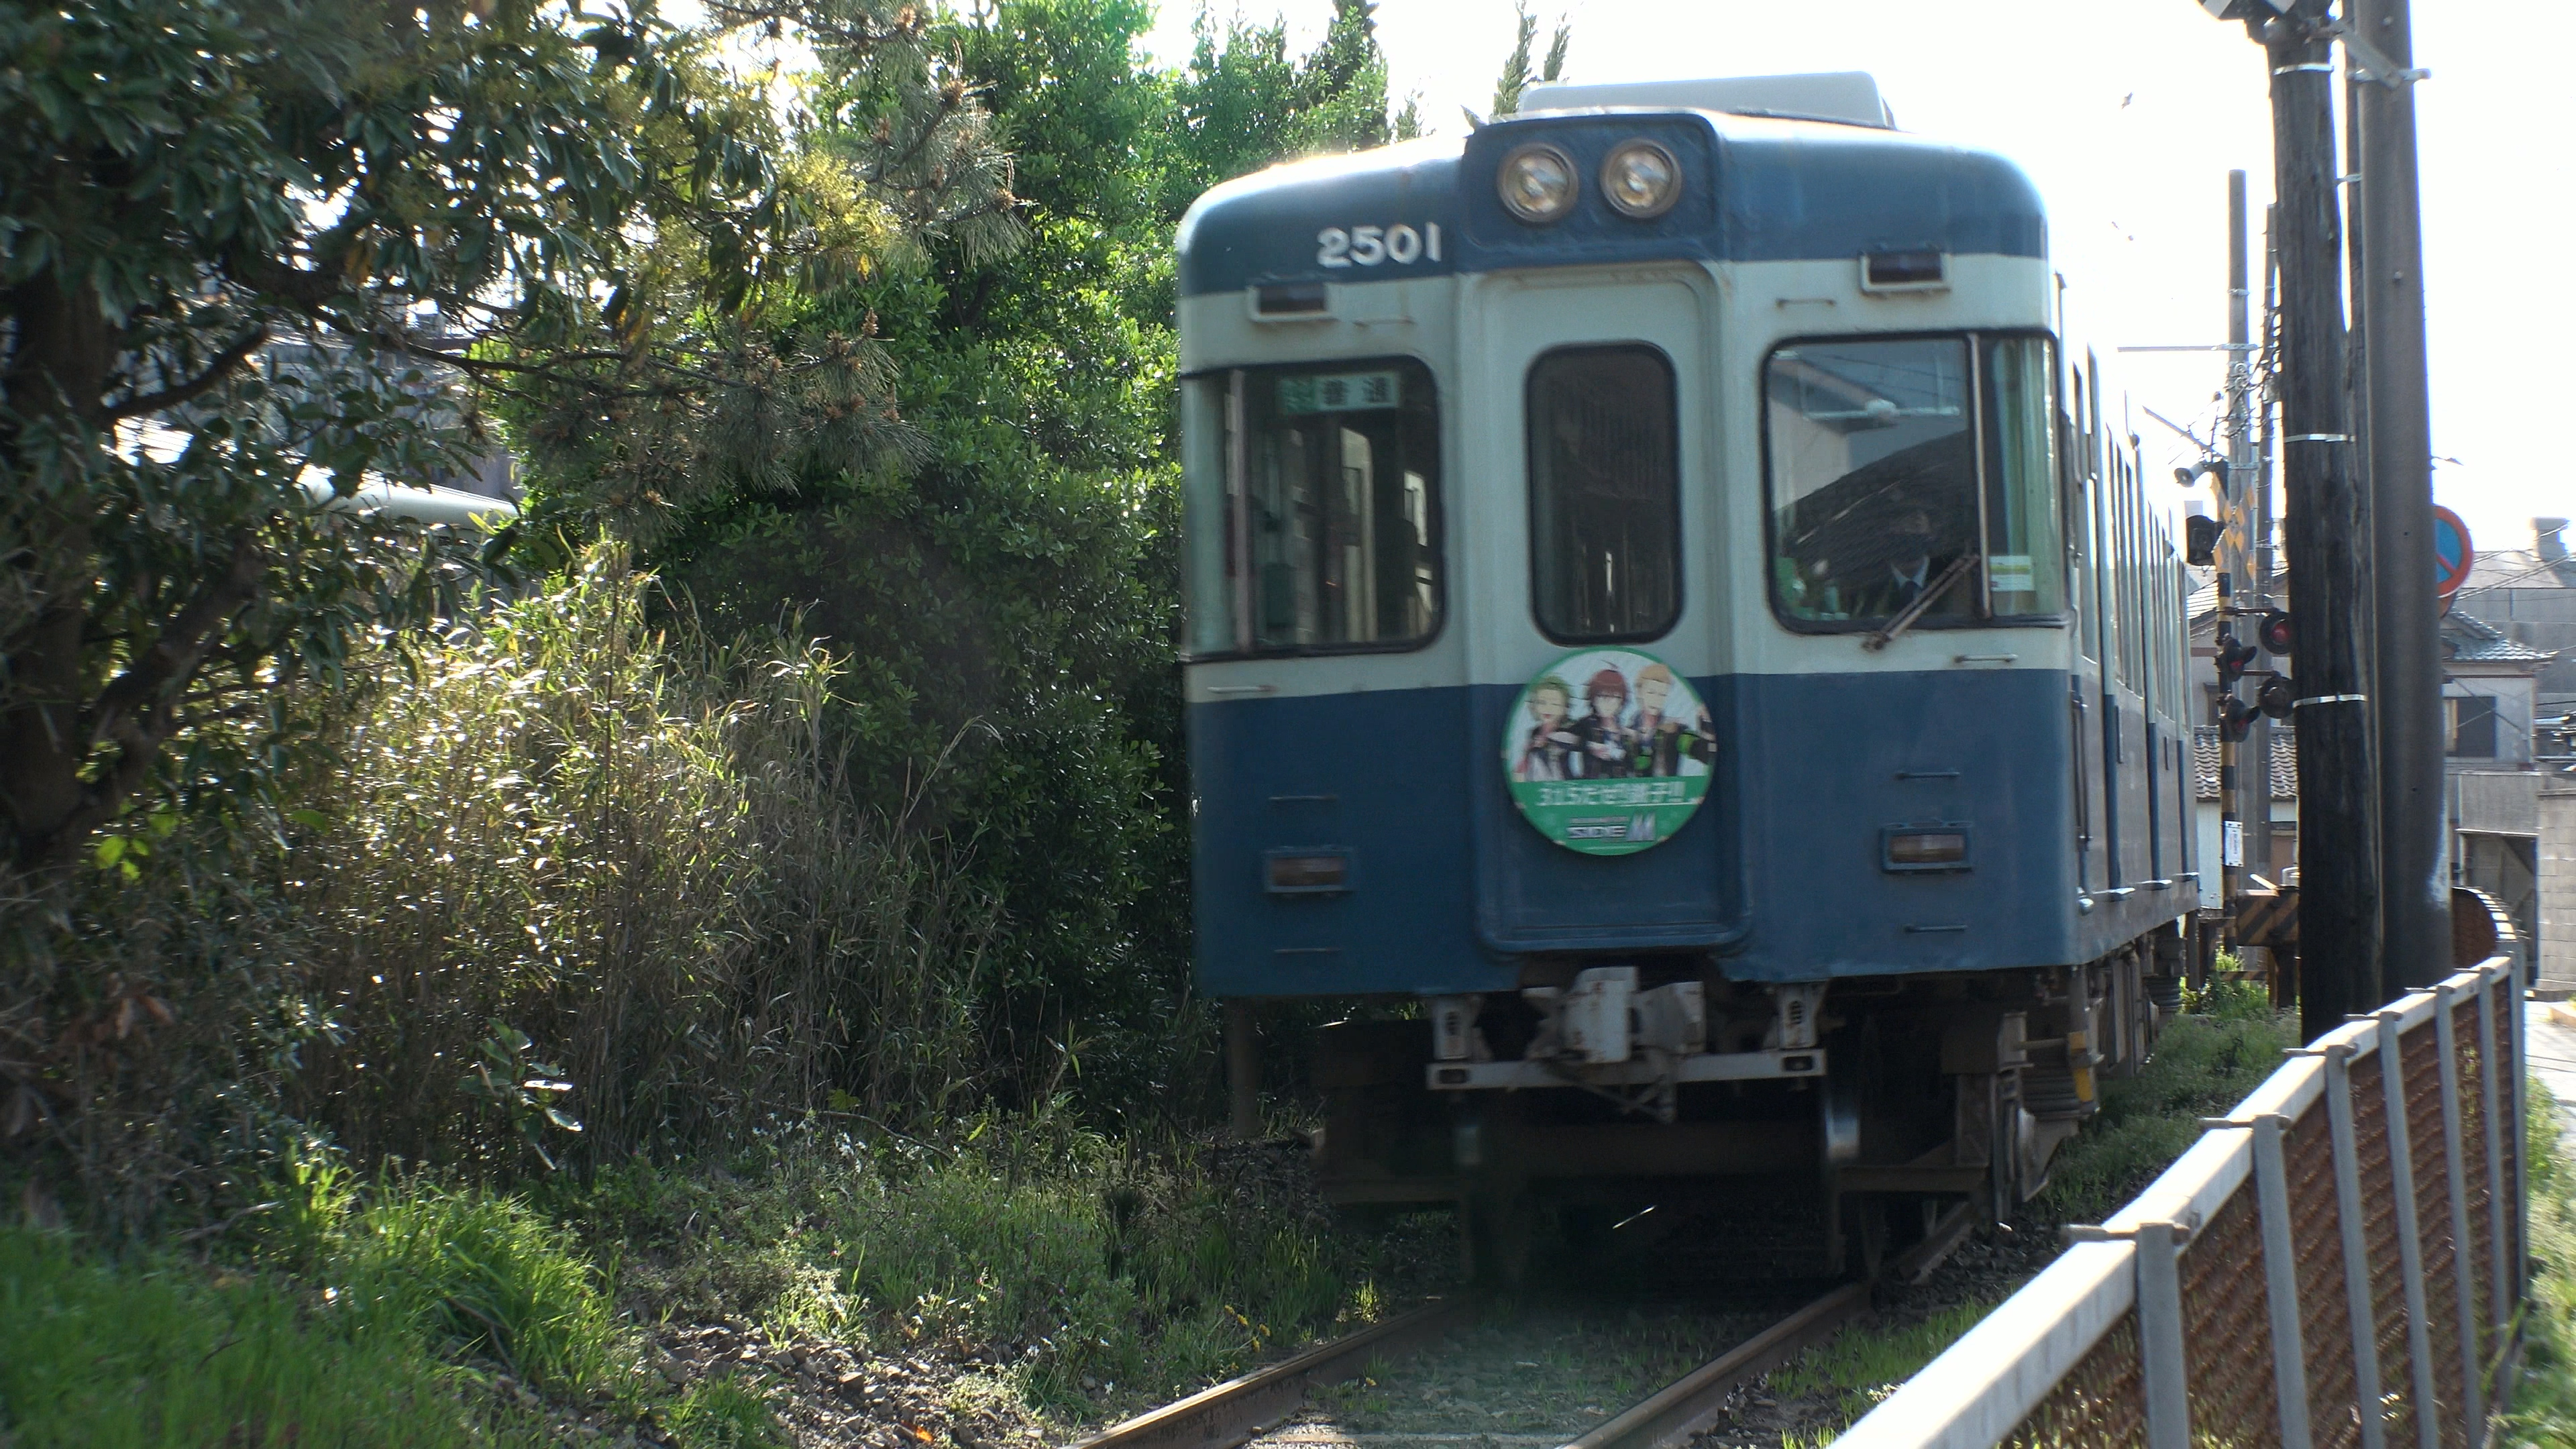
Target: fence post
2490, 986
2349, 1208
2455, 1168
2521, 1088
2160, 1348
2281, 1280
2410, 1239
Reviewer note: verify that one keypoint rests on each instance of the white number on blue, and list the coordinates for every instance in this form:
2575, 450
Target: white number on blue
1369, 246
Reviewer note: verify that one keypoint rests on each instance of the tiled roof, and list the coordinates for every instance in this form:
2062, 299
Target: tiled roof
2472, 640
2517, 568
2204, 763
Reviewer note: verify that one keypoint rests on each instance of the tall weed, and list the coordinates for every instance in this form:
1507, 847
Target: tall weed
481, 1276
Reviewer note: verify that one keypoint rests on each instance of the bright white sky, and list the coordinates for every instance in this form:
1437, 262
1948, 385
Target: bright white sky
2128, 116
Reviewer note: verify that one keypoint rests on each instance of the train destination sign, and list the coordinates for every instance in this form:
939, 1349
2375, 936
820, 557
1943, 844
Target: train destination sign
1608, 751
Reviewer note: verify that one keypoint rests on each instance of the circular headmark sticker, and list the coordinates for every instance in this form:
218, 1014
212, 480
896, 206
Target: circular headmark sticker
1608, 751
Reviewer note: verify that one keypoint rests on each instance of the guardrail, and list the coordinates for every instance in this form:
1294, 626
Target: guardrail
2338, 1262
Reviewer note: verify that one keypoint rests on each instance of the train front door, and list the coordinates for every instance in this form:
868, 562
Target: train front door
1600, 726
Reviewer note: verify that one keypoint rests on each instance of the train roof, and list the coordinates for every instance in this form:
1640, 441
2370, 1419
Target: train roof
1783, 189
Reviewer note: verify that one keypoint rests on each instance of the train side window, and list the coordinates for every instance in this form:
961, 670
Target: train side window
1605, 493
2022, 530
1208, 513
1339, 502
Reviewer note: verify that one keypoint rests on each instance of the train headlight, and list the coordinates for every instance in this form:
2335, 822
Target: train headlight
1641, 179
1537, 183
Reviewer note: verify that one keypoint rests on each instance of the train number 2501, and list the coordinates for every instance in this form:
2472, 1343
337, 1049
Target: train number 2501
1367, 246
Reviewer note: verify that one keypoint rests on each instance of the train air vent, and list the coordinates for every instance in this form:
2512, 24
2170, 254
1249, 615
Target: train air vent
1292, 301
1904, 272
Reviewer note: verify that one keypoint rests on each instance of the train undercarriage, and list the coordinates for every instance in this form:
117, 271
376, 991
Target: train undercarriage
1797, 1128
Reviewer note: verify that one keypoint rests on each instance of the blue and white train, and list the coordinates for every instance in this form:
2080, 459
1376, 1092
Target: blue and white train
1667, 600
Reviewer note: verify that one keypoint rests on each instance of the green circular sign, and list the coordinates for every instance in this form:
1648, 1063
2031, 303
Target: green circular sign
1608, 751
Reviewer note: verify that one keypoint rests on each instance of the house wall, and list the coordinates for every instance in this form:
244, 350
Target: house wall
2557, 812
2513, 695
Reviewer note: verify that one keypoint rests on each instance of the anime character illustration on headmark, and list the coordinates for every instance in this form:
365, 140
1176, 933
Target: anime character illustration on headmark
1547, 748
1636, 722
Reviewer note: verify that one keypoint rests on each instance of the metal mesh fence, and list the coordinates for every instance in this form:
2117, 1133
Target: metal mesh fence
2325, 1319
2473, 1158
2379, 1233
2420, 1052
2226, 1331
2189, 1359
2508, 1100
2102, 1404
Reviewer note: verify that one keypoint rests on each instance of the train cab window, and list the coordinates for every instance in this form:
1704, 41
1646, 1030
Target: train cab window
1605, 493
1891, 496
1336, 476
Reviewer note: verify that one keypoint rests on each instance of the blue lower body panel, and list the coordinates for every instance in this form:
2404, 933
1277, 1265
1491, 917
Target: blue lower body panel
1782, 874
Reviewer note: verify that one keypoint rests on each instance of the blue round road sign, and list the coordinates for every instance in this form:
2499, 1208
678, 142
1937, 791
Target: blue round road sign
2451, 553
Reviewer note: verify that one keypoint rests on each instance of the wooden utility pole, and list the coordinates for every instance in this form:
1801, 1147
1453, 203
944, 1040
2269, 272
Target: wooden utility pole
2328, 527
2415, 915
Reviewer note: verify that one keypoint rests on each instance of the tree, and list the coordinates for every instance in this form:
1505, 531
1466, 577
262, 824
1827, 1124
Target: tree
192, 181
1516, 66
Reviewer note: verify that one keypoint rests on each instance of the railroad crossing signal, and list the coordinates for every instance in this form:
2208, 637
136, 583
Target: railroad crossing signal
2233, 655
2277, 696
2199, 540
2274, 632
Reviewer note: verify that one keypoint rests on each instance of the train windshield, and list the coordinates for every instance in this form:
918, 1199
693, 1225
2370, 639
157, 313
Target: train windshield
1891, 496
1314, 508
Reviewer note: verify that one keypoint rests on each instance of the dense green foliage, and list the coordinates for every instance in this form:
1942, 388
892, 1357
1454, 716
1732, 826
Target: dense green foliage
1006, 589
810, 752
894, 826
2543, 1412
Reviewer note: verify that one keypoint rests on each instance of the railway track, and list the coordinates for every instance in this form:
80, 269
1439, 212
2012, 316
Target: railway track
1357, 1391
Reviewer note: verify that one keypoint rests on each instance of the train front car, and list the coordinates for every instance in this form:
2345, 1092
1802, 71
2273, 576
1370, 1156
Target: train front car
1648, 566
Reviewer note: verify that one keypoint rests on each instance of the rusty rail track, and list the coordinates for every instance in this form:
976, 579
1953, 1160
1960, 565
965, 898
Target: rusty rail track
1232, 1412
1239, 1410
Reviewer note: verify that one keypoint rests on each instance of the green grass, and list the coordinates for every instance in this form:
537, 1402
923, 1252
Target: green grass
2203, 1065
721, 1413
484, 1277
151, 1353
1088, 1279
2544, 1401
1860, 1366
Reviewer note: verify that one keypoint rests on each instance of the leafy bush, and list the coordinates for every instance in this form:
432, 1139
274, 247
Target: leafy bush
103, 1354
586, 889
